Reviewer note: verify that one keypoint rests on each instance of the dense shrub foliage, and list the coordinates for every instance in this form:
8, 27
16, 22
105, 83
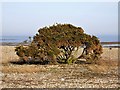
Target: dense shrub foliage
54, 44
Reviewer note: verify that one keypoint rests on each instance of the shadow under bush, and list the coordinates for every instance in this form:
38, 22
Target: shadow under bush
21, 62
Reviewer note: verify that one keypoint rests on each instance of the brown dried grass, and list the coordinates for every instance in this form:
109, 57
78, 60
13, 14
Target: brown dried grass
109, 59
22, 69
7, 54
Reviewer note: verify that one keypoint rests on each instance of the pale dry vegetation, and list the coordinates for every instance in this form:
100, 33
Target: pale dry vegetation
8, 54
109, 59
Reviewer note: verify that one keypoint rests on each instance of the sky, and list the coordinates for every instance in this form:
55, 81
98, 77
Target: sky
25, 18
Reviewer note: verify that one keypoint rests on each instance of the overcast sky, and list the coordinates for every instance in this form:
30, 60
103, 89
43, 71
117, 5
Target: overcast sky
96, 18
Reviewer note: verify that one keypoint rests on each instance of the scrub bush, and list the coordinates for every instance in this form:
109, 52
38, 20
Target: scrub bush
54, 44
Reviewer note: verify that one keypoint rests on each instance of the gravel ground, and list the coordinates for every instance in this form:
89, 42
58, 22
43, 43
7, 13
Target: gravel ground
57, 76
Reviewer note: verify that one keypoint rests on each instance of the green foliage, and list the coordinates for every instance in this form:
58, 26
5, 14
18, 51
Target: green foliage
48, 41
71, 60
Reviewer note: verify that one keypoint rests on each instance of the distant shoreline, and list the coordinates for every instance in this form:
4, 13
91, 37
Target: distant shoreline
13, 43
104, 44
110, 42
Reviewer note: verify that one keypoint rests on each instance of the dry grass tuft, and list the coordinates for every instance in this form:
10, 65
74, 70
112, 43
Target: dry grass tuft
22, 69
8, 54
103, 65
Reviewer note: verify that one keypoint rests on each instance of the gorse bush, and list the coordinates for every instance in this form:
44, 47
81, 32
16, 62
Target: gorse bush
55, 44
